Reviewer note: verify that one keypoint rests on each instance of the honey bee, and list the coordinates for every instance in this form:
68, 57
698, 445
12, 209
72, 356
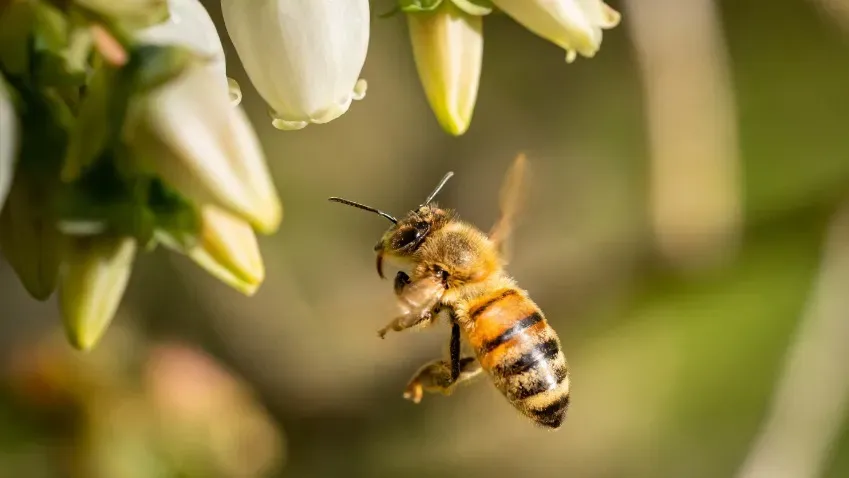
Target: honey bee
457, 272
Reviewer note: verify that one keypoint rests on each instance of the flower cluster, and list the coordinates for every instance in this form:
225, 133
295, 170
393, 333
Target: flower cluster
120, 131
305, 58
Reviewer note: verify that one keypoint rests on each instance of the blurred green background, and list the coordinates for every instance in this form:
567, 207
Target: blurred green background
677, 285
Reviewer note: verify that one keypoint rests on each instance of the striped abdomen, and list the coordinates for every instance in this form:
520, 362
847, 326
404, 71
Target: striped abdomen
521, 352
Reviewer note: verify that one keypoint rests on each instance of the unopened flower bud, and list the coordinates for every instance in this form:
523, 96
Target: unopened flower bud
448, 49
92, 283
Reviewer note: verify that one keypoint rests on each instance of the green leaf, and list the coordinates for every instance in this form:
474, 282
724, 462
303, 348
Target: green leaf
16, 23
417, 6
477, 8
106, 201
52, 71
28, 238
51, 28
62, 45
100, 114
79, 49
59, 109
44, 118
97, 191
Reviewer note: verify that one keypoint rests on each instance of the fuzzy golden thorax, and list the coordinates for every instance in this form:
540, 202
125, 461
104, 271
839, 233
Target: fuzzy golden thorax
433, 240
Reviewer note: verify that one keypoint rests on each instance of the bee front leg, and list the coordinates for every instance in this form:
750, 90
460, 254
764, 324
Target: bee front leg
419, 301
407, 321
401, 281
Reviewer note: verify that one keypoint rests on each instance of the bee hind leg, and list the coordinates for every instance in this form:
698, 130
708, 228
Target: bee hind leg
436, 377
440, 375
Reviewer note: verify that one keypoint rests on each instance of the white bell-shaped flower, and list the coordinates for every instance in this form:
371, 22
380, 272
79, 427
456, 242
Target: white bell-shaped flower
574, 25
207, 150
303, 56
8, 142
189, 25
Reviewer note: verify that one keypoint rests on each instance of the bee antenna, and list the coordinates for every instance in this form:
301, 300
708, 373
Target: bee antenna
438, 187
364, 207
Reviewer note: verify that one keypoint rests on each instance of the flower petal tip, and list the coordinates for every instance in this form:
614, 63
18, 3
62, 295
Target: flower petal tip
455, 128
81, 342
235, 92
270, 223
574, 25
612, 18
286, 125
324, 116
360, 89
248, 290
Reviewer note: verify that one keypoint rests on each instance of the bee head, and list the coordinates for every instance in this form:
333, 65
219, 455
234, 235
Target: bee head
401, 241
404, 237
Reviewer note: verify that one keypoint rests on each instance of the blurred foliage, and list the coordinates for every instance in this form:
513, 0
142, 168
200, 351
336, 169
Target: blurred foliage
134, 409
672, 371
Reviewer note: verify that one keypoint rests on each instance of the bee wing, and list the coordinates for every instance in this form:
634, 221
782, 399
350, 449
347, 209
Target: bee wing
510, 200
420, 296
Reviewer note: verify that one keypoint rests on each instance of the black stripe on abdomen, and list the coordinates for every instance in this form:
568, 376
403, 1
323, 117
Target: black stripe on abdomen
553, 414
476, 311
543, 377
513, 331
541, 352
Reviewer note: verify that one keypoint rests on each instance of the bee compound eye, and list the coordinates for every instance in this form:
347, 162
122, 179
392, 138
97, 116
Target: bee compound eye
406, 237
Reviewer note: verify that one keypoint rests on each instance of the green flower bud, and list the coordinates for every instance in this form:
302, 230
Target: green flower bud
93, 281
29, 239
448, 50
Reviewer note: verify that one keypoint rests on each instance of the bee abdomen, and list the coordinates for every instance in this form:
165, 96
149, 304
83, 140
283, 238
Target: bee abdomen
522, 353
537, 382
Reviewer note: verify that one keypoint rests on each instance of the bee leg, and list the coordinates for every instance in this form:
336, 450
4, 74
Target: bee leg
436, 377
454, 348
419, 299
401, 281
406, 322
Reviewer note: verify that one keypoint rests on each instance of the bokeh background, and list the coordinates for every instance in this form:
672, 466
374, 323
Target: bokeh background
686, 231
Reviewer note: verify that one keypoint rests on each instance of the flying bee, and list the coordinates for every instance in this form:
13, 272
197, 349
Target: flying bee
457, 272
